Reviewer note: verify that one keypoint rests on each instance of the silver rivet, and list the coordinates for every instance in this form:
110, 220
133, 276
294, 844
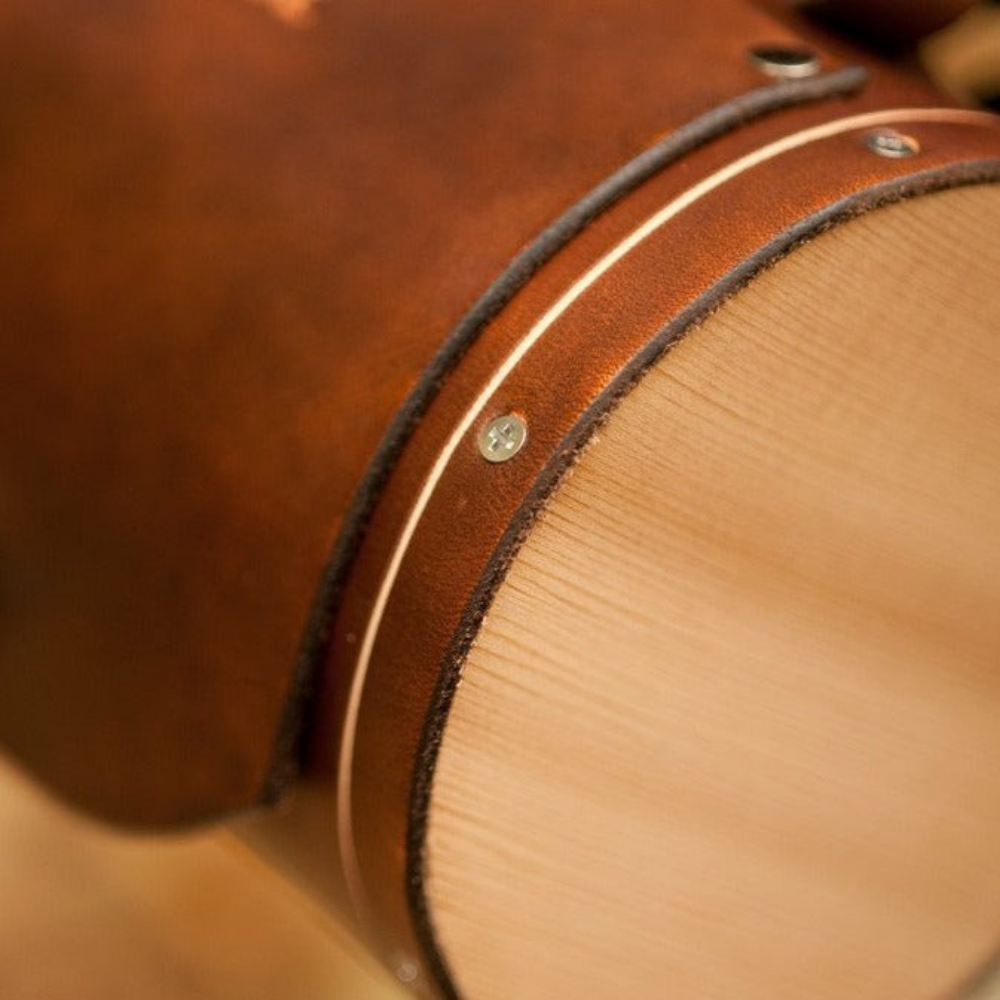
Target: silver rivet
893, 144
786, 62
406, 969
503, 438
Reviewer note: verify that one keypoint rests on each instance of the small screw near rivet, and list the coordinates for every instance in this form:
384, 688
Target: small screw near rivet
893, 144
786, 62
502, 438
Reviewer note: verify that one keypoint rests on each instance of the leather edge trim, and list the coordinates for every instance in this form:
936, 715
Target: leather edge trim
878, 196
753, 104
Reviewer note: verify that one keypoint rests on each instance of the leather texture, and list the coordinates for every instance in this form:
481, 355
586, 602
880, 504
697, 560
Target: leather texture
231, 248
236, 274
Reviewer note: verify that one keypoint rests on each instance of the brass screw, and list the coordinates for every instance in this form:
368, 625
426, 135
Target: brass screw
502, 438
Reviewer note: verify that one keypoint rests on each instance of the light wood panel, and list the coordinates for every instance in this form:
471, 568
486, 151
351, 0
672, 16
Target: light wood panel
732, 725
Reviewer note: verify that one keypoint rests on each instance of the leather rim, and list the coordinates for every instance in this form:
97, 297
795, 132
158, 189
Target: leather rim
719, 121
394, 798
563, 460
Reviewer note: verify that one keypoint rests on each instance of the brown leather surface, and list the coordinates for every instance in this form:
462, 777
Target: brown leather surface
478, 511
230, 249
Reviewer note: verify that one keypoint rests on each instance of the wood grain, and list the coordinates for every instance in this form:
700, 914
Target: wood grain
731, 725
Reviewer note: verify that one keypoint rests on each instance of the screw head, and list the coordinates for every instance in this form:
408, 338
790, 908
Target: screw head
502, 438
892, 144
785, 62
406, 970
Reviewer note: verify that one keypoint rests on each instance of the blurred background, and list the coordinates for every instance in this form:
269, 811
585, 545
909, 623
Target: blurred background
90, 914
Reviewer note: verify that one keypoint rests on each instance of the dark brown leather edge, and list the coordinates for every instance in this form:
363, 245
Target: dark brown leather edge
977, 172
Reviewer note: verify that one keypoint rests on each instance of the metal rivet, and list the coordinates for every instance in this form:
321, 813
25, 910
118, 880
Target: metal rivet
888, 142
784, 61
502, 438
406, 969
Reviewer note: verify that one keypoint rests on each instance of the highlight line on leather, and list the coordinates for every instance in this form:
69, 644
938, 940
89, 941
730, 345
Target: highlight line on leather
345, 824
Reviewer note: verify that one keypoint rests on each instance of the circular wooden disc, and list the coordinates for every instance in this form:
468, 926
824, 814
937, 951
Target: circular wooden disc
732, 725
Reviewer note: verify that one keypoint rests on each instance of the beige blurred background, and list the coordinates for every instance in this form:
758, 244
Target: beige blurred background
90, 914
